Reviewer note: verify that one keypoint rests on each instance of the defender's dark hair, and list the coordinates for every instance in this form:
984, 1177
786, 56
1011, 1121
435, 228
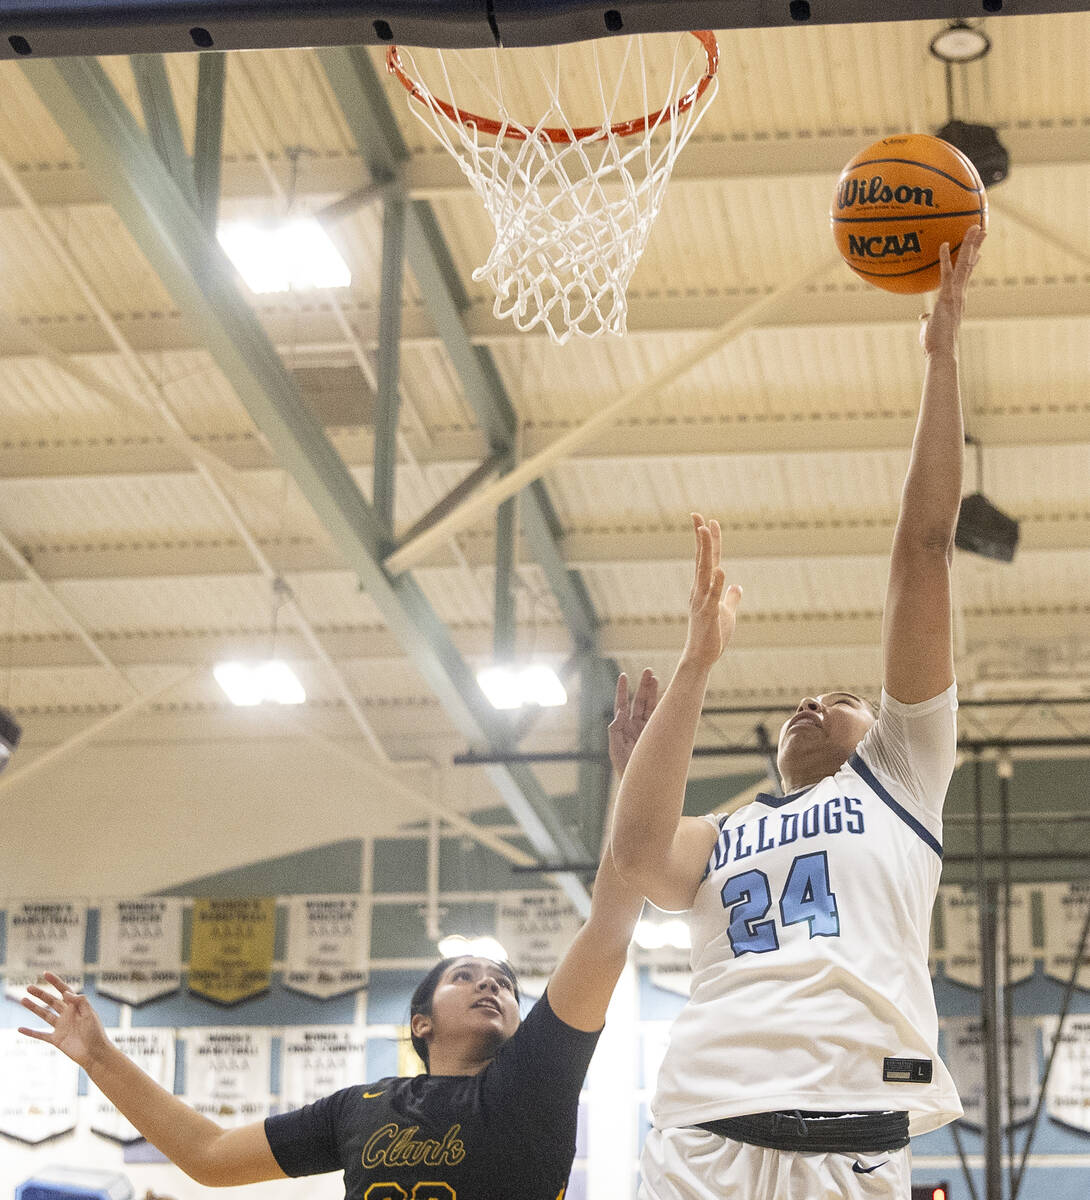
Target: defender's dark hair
425, 992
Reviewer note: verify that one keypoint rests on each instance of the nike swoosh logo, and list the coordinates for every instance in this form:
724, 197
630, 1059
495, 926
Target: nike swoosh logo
867, 1170
372, 1095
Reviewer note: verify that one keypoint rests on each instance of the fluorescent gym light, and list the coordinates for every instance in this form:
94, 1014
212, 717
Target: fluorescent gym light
249, 684
285, 255
513, 687
455, 945
654, 935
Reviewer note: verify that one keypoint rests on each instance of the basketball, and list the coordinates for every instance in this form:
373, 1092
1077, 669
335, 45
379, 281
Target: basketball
896, 203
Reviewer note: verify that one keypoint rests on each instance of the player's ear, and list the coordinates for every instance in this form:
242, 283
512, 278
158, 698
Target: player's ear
421, 1025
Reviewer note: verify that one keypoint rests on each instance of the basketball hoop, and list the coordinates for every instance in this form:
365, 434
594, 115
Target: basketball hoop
572, 205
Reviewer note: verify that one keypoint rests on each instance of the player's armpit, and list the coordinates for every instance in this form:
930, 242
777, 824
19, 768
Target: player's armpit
673, 884
239, 1156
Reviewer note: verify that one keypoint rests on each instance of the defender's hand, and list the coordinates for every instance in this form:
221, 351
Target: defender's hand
74, 1026
713, 607
629, 719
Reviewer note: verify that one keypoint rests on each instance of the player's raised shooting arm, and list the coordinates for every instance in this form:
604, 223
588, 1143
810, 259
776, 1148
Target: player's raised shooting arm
917, 638
654, 846
208, 1154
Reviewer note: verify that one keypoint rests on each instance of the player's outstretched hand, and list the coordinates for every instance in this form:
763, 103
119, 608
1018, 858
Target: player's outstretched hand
74, 1026
630, 716
939, 328
713, 607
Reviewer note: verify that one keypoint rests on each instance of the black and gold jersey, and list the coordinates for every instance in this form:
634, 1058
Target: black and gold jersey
506, 1132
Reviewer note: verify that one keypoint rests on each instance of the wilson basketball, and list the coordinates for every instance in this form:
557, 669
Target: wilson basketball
896, 203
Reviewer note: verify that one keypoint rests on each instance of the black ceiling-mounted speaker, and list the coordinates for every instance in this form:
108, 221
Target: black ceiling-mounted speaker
983, 529
981, 146
10, 733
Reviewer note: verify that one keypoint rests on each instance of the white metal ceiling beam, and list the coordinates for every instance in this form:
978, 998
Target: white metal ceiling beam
705, 161
774, 538
316, 334
660, 637
61, 454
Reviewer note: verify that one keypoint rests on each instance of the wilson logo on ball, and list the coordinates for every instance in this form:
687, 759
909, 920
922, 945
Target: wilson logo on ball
852, 192
883, 245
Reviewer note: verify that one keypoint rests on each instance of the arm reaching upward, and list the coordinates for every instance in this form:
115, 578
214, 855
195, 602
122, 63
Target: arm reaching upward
654, 846
916, 630
581, 986
209, 1155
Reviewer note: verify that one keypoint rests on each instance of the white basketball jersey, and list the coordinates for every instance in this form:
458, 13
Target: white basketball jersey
810, 930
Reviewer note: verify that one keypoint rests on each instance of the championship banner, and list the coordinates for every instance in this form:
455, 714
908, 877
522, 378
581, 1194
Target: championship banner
1065, 907
1068, 1097
328, 939
961, 926
668, 968
44, 936
318, 1062
153, 1052
227, 1074
536, 928
231, 953
140, 948
37, 1089
964, 1055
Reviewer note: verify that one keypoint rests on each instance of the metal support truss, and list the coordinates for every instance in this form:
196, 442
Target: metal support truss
208, 136
388, 399
362, 99
598, 678
169, 231
161, 119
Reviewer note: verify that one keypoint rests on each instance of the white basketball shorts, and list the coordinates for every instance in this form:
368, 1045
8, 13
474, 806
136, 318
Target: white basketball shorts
693, 1164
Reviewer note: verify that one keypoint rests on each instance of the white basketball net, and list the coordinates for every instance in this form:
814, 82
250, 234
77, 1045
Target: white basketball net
571, 217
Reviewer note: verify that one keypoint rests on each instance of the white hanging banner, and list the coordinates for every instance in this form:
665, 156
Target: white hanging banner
37, 1089
964, 1055
45, 935
318, 1062
961, 926
153, 1052
536, 928
1068, 1097
140, 948
227, 1073
1065, 907
327, 948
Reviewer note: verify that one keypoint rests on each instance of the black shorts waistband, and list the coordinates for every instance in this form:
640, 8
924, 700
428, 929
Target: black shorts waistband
817, 1132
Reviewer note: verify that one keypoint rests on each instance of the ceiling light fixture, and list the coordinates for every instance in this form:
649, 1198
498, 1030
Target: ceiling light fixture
960, 42
249, 684
281, 256
508, 687
455, 945
654, 935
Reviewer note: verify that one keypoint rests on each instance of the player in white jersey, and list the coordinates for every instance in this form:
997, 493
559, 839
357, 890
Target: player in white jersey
806, 1053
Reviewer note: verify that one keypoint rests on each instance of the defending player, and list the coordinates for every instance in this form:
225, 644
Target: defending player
493, 1119
807, 1051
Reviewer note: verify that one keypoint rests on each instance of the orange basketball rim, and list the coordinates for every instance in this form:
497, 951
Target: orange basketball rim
555, 133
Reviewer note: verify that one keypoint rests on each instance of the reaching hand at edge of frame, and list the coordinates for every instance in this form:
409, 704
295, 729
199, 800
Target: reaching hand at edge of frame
939, 328
630, 717
74, 1026
713, 607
